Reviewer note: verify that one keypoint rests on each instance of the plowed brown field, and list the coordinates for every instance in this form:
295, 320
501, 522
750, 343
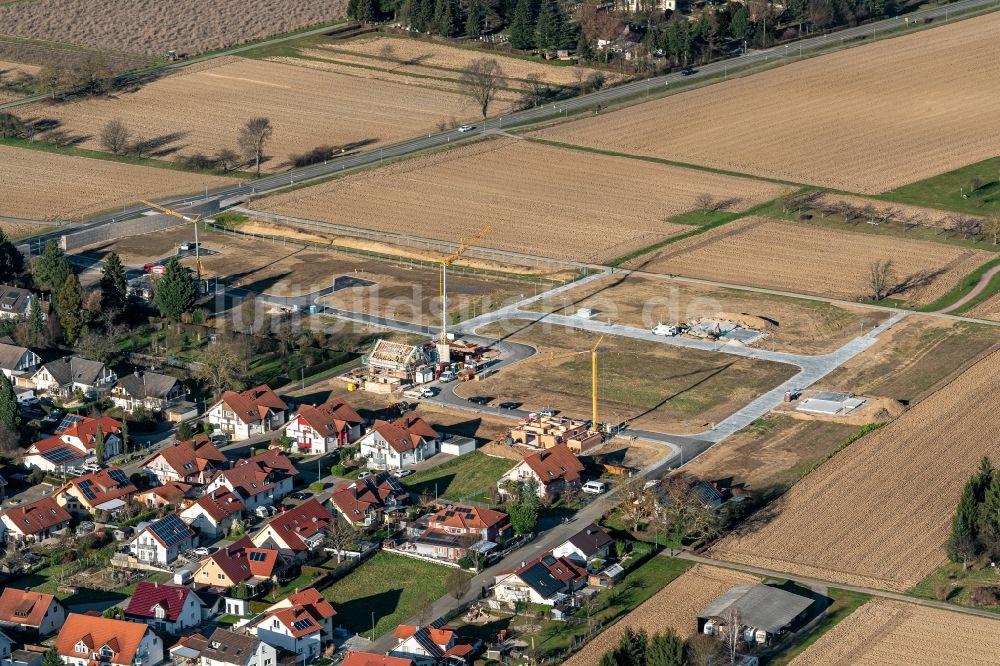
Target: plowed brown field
866, 119
877, 514
41, 186
189, 26
539, 199
202, 108
674, 607
894, 633
808, 259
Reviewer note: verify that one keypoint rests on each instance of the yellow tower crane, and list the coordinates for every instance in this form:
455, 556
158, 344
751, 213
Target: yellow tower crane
192, 220
593, 351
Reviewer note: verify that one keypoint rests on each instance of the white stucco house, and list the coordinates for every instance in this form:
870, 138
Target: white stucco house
160, 542
167, 608
396, 444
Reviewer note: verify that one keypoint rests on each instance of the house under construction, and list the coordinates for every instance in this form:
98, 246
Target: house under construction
396, 361
544, 432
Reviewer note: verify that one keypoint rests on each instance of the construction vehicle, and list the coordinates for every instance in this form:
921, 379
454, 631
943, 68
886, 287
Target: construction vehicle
593, 351
192, 220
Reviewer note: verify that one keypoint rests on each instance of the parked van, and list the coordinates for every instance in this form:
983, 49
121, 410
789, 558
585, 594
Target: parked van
595, 487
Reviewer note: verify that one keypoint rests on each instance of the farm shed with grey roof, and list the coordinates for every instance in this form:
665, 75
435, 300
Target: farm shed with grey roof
759, 606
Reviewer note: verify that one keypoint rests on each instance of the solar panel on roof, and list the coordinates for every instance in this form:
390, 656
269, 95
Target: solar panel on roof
118, 476
299, 625
68, 422
256, 556
171, 530
61, 455
87, 488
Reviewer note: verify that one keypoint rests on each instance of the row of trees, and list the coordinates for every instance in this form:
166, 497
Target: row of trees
975, 528
638, 648
669, 507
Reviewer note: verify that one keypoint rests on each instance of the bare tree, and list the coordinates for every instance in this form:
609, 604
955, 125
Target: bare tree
993, 226
457, 583
731, 634
703, 650
252, 137
10, 443
705, 202
638, 503
481, 80
880, 278
226, 160
114, 136
222, 367
339, 535
966, 226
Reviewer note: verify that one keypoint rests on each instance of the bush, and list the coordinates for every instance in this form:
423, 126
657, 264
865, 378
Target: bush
316, 486
985, 596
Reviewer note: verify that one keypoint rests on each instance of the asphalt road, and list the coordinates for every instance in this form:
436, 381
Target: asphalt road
606, 97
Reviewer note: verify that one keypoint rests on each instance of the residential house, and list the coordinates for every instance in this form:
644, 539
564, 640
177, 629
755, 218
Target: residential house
241, 562
213, 514
291, 629
14, 302
34, 522
369, 659
6, 648
396, 444
173, 494
436, 643
166, 608
546, 580
227, 648
66, 376
74, 441
3, 489
252, 412
85, 640
18, 364
107, 490
25, 610
451, 532
192, 461
161, 541
149, 391
187, 650
315, 606
260, 480
544, 432
553, 469
651, 5
367, 501
298, 531
764, 613
324, 428
589, 544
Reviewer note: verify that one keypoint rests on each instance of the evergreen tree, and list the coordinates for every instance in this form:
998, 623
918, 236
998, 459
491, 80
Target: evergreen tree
52, 268
522, 27
405, 15
176, 292
426, 15
551, 26
449, 19
114, 285
523, 517
10, 412
69, 308
739, 24
989, 512
52, 658
983, 478
365, 10
962, 545
475, 20
607, 659
125, 436
99, 445
11, 259
352, 9
583, 51
36, 323
666, 649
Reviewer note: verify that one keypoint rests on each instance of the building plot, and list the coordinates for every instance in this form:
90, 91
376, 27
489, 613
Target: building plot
866, 119
802, 258
41, 186
537, 199
877, 514
884, 632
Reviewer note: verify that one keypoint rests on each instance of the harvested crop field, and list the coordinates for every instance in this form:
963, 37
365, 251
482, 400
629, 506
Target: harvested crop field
988, 309
878, 513
199, 109
837, 120
187, 26
39, 185
539, 199
885, 632
797, 325
675, 607
803, 258
431, 58
15, 230
12, 73
654, 386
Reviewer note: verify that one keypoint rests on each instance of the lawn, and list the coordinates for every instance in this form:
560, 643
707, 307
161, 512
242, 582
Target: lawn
305, 579
956, 585
468, 477
842, 604
953, 190
387, 589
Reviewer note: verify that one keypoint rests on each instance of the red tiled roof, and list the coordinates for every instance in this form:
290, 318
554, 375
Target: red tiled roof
24, 607
254, 404
37, 516
220, 504
298, 622
149, 595
99, 487
555, 463
249, 475
298, 523
190, 456
405, 433
369, 659
95, 632
330, 418
314, 602
86, 429
356, 498
235, 561
465, 516
172, 492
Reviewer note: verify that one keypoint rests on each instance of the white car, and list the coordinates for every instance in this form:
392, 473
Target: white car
201, 551
364, 475
466, 128
427, 392
666, 330
400, 473
594, 487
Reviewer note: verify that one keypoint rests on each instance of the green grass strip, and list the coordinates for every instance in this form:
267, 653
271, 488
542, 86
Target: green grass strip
967, 284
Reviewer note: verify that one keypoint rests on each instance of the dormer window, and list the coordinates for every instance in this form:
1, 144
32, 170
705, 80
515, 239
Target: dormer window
107, 652
80, 647
158, 612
